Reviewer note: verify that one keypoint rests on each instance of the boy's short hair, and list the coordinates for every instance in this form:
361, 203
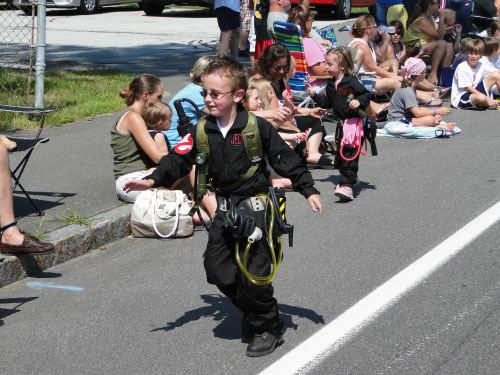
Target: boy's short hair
473, 45
155, 111
491, 44
231, 69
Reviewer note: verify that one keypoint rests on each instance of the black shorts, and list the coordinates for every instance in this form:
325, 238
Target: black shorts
465, 98
308, 122
227, 18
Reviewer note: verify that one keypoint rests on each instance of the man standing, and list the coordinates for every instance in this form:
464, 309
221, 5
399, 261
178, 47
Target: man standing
228, 19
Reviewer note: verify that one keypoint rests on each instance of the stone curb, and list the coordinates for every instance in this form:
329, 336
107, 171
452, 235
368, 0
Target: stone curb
70, 242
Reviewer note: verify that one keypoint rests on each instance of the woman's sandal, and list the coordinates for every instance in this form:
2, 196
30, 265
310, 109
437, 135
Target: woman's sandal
323, 163
382, 114
444, 93
432, 100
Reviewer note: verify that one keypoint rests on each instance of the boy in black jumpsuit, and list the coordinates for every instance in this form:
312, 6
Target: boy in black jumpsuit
224, 86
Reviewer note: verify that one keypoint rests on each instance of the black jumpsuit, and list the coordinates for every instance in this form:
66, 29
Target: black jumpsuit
228, 164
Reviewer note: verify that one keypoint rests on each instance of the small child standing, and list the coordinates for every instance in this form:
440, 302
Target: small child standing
473, 81
158, 118
404, 104
339, 64
224, 86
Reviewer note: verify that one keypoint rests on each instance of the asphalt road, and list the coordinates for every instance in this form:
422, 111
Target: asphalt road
143, 306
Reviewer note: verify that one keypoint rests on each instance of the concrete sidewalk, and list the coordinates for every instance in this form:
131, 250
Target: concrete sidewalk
74, 170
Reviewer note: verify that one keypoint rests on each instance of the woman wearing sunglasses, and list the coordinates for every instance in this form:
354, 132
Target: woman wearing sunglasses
397, 50
274, 65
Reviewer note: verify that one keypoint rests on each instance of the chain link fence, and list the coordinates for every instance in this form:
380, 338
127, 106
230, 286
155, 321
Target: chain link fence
17, 54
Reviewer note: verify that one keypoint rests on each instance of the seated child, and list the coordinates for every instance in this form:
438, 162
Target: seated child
473, 81
494, 29
491, 52
158, 117
258, 100
453, 31
404, 104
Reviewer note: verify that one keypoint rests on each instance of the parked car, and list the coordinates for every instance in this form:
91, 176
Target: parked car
342, 8
155, 7
84, 6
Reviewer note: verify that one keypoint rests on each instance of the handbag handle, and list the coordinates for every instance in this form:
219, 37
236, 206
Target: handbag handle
155, 209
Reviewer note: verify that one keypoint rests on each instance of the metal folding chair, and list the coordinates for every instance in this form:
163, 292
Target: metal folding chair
26, 145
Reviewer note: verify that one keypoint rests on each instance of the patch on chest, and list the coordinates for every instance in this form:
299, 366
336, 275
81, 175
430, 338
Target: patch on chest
237, 140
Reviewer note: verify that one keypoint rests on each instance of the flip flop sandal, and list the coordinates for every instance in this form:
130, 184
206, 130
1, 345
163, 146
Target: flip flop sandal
444, 93
323, 163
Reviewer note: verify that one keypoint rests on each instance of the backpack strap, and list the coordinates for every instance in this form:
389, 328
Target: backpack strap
202, 161
253, 148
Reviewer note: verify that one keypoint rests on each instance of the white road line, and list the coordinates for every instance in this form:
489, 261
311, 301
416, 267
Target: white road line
331, 337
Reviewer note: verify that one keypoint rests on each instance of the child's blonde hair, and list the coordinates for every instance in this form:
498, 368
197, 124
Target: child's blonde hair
155, 112
449, 14
345, 59
264, 88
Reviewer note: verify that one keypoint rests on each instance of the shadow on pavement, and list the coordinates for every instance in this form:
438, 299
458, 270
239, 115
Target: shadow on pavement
22, 206
8, 301
229, 328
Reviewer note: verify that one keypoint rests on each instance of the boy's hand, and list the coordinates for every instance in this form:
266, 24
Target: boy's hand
138, 185
315, 203
309, 89
458, 29
353, 104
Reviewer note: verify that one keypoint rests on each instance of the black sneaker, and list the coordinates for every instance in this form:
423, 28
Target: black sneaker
263, 344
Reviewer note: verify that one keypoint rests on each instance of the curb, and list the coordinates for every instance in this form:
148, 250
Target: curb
69, 242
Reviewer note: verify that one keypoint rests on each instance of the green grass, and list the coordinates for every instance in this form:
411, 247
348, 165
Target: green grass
75, 218
76, 94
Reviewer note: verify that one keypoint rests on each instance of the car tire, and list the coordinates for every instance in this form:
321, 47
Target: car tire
88, 6
152, 8
343, 10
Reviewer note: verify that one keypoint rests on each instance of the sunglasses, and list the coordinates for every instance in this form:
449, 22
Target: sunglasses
214, 94
279, 68
399, 32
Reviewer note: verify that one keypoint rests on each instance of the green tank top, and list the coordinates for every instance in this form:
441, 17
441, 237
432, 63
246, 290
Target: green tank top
411, 35
128, 156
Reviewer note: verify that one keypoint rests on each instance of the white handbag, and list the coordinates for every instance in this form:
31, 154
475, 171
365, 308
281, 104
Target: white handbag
161, 213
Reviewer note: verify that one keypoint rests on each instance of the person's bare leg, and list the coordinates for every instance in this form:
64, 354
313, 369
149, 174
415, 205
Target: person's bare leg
233, 44
437, 55
225, 39
384, 85
313, 144
11, 235
243, 38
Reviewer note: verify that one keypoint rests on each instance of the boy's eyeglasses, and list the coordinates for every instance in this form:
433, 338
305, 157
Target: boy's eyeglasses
214, 94
279, 68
